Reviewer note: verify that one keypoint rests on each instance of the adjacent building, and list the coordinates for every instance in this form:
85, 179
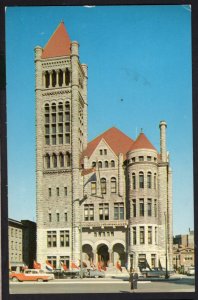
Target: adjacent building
22, 243
104, 201
183, 251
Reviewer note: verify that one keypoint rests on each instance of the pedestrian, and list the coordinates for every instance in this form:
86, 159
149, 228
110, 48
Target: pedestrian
133, 277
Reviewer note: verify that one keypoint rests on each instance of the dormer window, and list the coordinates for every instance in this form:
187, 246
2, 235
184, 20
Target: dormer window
141, 158
101, 152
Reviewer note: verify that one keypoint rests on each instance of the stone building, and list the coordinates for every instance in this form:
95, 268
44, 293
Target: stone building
22, 243
105, 201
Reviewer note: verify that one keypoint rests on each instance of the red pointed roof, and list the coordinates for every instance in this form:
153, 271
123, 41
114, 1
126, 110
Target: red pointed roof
142, 143
116, 139
58, 44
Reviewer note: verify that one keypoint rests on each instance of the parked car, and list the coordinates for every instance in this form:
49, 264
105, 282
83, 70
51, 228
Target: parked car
190, 271
59, 274
93, 273
156, 272
31, 275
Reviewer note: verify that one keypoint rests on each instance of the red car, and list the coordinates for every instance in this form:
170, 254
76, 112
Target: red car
31, 275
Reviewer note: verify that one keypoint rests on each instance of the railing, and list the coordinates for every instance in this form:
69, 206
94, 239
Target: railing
105, 223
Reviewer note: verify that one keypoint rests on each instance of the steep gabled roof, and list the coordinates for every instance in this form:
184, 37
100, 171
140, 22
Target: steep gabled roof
116, 139
58, 44
142, 142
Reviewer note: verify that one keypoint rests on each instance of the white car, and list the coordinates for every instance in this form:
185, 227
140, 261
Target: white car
191, 271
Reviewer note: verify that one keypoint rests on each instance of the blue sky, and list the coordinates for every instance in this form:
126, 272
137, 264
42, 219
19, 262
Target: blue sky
140, 54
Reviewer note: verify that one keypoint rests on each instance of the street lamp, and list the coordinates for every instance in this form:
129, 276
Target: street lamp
166, 275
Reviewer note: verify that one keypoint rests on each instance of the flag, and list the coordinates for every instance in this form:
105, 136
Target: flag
49, 267
36, 265
63, 266
91, 178
74, 266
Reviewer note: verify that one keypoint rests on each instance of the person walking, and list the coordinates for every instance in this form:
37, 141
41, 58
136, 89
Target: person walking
133, 277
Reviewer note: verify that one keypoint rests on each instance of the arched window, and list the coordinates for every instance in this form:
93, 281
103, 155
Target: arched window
112, 163
47, 79
61, 160
47, 161
67, 77
60, 78
149, 181
99, 164
113, 185
53, 78
60, 106
53, 107
103, 184
141, 180
93, 164
67, 106
46, 108
68, 159
54, 160
133, 181
106, 164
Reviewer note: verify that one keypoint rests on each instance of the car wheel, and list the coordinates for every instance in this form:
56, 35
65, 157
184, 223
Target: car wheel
15, 279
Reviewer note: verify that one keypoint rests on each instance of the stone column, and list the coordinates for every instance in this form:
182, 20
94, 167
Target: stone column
57, 78
75, 149
64, 70
50, 79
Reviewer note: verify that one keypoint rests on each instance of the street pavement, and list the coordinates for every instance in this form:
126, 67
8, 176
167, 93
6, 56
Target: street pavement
104, 285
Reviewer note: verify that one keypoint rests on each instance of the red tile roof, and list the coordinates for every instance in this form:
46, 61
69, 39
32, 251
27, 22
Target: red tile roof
116, 139
142, 143
58, 44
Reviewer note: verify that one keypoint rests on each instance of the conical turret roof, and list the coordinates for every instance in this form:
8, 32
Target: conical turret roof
58, 44
142, 142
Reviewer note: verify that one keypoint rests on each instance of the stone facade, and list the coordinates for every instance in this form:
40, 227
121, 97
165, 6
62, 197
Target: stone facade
86, 193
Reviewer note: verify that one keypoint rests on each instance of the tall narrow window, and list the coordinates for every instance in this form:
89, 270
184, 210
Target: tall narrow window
119, 211
57, 191
64, 238
134, 207
149, 180
142, 235
112, 163
100, 164
54, 160
141, 180
47, 79
49, 192
141, 203
57, 217
65, 217
68, 159
134, 236
88, 212
149, 234
50, 217
149, 207
93, 188
113, 185
65, 190
106, 164
155, 235
155, 181
103, 186
67, 77
51, 239
61, 160
155, 208
133, 181
47, 158
153, 260
104, 211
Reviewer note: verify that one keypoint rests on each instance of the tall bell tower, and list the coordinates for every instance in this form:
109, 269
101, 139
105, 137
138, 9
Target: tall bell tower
61, 136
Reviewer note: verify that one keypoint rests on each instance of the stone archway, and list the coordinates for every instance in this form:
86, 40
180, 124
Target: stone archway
119, 254
87, 254
103, 254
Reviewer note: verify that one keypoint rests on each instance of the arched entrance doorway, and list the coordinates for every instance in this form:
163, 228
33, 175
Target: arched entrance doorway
87, 254
119, 254
103, 254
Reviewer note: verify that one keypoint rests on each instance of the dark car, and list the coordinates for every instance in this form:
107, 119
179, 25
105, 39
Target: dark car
59, 274
156, 272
